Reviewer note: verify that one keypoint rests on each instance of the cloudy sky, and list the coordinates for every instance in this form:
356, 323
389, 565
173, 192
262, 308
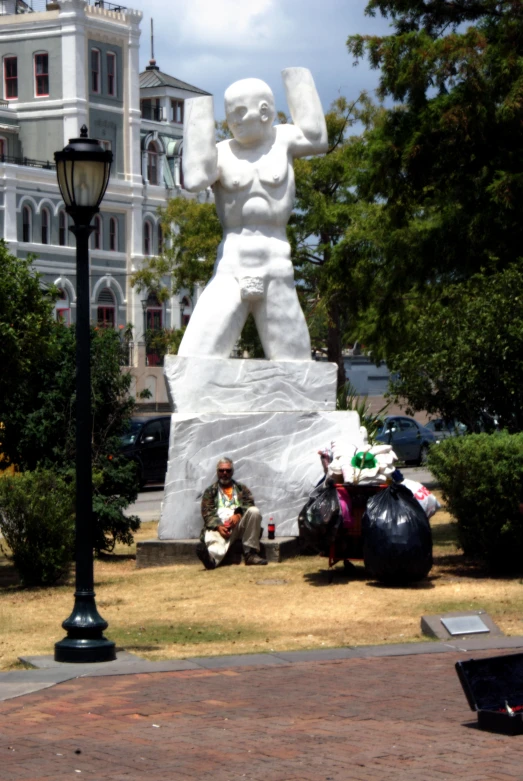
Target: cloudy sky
211, 43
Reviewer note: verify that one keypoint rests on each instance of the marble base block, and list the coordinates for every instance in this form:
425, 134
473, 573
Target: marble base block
274, 453
269, 417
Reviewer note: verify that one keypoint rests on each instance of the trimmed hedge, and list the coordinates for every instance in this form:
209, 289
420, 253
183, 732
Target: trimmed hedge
37, 522
481, 477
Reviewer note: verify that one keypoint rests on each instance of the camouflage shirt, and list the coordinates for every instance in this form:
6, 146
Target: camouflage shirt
210, 516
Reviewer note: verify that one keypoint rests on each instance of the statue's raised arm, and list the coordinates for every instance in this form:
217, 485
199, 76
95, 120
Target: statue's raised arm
200, 155
309, 129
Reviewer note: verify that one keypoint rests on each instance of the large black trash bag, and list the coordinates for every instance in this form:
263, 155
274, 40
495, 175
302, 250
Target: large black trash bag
397, 539
319, 519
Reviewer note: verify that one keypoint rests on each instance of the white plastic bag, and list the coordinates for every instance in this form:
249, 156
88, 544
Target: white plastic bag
426, 499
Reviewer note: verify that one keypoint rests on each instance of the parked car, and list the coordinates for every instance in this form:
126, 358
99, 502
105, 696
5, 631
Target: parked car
147, 444
442, 429
409, 439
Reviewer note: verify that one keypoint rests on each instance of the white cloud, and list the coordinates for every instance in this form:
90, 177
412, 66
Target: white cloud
211, 43
237, 24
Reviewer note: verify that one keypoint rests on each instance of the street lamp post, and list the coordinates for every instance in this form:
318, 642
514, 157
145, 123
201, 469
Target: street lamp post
83, 169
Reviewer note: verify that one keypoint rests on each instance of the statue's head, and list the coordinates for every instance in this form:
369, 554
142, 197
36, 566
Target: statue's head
250, 110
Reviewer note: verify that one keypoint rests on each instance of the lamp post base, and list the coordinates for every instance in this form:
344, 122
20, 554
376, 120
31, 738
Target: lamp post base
85, 641
76, 650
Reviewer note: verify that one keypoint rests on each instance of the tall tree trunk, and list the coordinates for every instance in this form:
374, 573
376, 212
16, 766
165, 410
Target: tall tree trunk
334, 345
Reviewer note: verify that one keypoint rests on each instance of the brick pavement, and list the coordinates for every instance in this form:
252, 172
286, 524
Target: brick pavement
352, 719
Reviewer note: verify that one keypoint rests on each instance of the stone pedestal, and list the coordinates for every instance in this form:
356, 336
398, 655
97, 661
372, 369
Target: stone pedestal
269, 417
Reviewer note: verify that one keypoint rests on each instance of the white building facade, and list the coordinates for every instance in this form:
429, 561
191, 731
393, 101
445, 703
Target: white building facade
66, 64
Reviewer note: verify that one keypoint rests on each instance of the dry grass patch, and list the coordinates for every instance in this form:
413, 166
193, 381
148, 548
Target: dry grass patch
183, 610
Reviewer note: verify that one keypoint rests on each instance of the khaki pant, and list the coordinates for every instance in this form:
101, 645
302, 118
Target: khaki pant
248, 531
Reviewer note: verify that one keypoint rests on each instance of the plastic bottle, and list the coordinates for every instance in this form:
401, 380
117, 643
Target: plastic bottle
271, 529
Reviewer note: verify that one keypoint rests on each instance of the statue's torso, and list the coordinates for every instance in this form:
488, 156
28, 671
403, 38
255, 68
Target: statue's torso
255, 186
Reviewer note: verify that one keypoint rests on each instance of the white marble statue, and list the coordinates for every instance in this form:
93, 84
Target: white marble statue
253, 181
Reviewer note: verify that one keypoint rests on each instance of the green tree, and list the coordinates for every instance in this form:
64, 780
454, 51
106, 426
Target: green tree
26, 324
37, 401
464, 354
325, 201
439, 184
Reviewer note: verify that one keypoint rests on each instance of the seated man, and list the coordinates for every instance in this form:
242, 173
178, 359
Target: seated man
228, 514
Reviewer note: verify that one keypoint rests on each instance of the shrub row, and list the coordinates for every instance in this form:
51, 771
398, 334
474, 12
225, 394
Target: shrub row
481, 477
37, 522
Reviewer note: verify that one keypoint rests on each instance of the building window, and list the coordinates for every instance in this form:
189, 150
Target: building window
177, 111
3, 149
42, 74
62, 309
113, 235
152, 163
105, 317
11, 77
96, 241
62, 229
185, 316
147, 238
111, 73
45, 226
26, 224
153, 319
160, 240
95, 70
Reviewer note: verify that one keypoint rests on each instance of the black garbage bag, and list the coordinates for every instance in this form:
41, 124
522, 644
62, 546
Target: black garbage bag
319, 519
397, 539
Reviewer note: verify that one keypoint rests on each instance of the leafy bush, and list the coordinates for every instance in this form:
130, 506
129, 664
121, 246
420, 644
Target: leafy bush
481, 476
37, 522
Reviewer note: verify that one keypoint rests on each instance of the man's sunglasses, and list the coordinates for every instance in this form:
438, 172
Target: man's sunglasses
226, 471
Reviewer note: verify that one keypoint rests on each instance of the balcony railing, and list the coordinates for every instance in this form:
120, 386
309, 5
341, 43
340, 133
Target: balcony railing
33, 6
109, 6
152, 112
27, 161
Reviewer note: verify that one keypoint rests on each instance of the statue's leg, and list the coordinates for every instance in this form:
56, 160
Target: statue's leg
281, 323
217, 321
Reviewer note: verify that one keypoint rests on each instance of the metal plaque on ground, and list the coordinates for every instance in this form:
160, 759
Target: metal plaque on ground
464, 625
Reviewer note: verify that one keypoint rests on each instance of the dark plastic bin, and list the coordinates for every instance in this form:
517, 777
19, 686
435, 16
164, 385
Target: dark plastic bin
491, 683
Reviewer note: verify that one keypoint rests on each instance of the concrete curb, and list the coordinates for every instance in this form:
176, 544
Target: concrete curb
49, 673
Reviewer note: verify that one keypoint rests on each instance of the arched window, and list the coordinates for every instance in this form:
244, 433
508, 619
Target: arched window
62, 309
160, 239
41, 70
96, 241
152, 163
147, 238
62, 229
27, 224
105, 317
44, 223
113, 234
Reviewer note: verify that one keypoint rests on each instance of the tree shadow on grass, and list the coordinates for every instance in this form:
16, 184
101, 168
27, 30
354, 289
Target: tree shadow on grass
116, 558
